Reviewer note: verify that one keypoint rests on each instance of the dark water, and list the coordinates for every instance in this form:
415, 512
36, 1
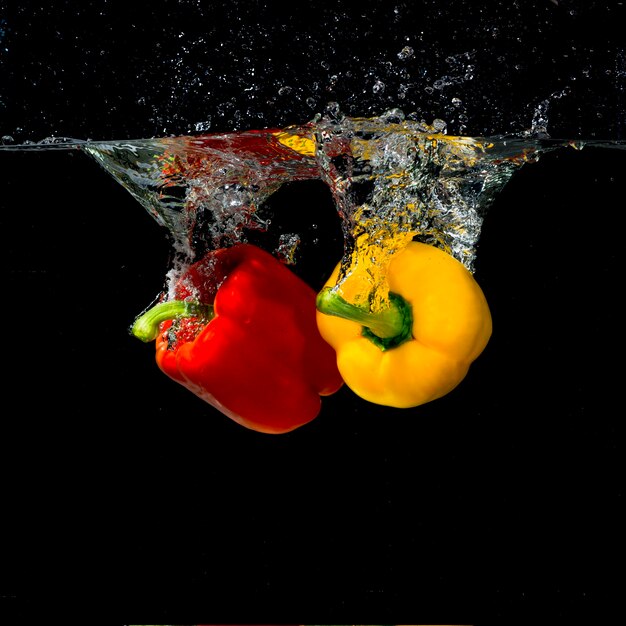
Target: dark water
506, 491
500, 501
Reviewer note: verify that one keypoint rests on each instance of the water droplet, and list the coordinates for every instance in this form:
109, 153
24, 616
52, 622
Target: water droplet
406, 53
393, 116
333, 111
439, 125
202, 126
378, 87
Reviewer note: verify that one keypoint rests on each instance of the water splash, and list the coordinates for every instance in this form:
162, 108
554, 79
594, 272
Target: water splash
393, 180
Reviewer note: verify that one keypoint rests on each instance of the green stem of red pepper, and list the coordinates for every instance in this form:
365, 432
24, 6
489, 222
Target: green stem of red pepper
386, 329
146, 326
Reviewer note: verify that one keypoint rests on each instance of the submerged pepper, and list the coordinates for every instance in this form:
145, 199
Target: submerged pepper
240, 332
420, 347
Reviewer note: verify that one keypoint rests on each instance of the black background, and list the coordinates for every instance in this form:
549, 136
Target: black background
123, 492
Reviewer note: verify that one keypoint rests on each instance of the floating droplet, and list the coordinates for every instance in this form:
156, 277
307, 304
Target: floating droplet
406, 53
202, 126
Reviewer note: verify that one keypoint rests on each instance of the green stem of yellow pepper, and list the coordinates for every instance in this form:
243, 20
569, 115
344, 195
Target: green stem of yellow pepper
386, 329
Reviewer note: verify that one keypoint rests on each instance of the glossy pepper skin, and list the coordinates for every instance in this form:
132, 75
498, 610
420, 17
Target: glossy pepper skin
249, 344
441, 327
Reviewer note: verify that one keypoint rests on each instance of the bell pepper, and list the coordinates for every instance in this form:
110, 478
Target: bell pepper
421, 345
240, 332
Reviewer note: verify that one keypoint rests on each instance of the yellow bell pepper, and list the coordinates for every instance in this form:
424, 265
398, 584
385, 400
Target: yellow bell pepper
421, 346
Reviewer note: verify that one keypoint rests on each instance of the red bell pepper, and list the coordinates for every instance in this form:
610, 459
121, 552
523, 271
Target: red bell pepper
241, 333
